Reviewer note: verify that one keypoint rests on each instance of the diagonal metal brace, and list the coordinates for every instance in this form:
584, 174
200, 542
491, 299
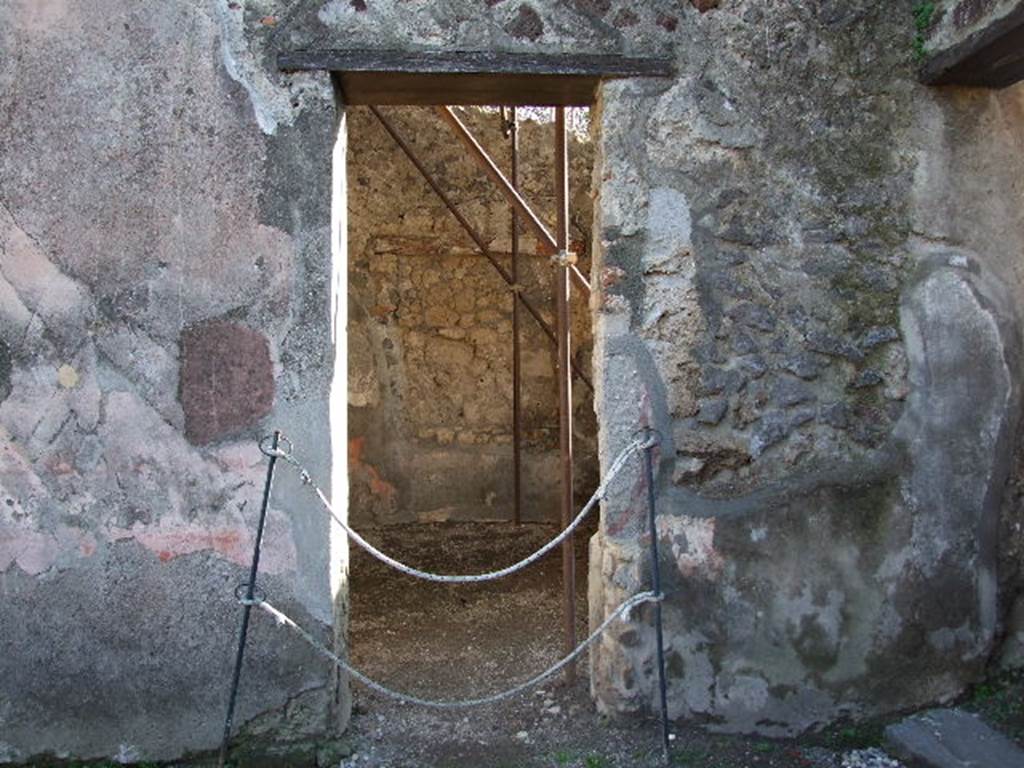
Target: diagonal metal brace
474, 236
510, 192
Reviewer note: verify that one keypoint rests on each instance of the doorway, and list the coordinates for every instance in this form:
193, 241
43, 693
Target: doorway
431, 381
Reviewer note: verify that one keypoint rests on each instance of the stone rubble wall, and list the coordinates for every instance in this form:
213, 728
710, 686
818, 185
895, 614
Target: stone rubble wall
837, 249
430, 330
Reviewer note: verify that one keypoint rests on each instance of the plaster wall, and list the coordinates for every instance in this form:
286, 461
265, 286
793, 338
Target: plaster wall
164, 302
840, 419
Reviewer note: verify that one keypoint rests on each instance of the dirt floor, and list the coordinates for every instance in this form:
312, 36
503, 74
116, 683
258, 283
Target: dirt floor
452, 641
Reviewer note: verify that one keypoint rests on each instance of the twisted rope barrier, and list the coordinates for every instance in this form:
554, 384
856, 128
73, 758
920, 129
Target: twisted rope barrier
598, 495
250, 596
283, 619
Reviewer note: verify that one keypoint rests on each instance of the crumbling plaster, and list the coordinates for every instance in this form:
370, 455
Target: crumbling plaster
142, 205
808, 268
845, 278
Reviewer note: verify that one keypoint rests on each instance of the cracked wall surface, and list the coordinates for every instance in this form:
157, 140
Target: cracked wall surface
808, 268
840, 417
163, 304
430, 329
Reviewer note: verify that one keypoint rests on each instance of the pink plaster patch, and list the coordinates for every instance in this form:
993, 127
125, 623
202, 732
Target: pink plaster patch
174, 542
88, 546
378, 485
692, 540
231, 543
41, 16
32, 551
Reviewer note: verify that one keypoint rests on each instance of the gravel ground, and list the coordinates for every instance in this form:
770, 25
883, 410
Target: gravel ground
451, 641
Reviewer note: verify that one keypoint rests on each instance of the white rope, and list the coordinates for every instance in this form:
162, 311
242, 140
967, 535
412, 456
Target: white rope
323, 650
613, 471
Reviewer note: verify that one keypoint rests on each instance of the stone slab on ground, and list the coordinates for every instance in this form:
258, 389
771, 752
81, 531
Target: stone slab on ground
951, 738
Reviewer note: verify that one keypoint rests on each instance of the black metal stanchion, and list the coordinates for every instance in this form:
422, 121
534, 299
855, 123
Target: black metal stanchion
250, 592
652, 443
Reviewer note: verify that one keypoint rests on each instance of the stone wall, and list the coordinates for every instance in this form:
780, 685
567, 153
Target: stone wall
807, 270
164, 302
839, 419
430, 330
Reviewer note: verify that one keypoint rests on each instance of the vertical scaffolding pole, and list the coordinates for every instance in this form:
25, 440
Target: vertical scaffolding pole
517, 417
565, 382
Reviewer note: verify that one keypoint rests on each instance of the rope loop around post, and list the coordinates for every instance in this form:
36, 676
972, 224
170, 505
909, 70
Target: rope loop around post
259, 595
648, 437
268, 449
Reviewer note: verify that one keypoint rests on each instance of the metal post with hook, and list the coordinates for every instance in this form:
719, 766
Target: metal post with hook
653, 440
250, 591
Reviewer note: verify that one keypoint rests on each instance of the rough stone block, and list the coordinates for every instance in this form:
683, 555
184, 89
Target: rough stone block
227, 379
950, 738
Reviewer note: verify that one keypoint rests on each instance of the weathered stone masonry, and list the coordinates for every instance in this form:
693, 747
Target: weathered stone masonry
809, 268
430, 334
838, 425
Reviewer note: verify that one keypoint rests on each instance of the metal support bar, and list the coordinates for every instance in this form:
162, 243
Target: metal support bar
656, 587
506, 188
562, 291
473, 234
250, 591
517, 415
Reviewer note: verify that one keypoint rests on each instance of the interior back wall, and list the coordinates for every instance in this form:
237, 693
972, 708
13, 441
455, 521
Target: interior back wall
430, 327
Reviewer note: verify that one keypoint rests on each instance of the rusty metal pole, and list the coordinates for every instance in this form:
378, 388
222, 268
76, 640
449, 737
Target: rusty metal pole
562, 288
516, 200
473, 234
517, 415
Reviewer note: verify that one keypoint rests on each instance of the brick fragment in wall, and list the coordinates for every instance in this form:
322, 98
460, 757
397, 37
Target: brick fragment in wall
704, 5
227, 379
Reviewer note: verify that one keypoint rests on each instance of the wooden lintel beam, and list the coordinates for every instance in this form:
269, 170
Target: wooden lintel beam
601, 66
